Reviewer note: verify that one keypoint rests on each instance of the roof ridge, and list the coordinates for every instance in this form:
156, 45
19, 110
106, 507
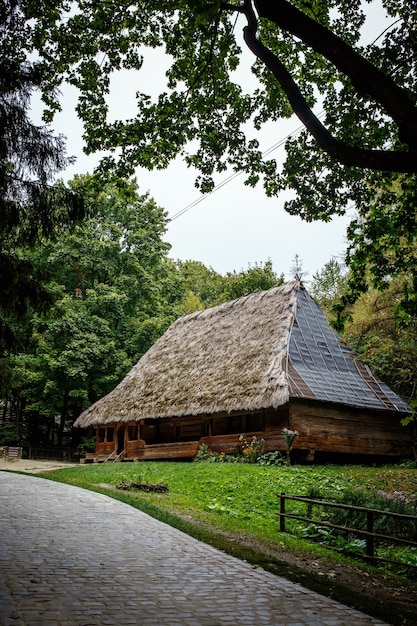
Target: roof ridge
256, 295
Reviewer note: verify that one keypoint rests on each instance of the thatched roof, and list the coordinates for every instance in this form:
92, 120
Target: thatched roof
245, 355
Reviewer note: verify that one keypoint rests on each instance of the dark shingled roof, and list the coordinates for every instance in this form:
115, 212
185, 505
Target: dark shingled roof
325, 368
249, 354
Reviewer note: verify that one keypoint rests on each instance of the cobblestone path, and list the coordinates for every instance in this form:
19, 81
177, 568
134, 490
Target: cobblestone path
70, 557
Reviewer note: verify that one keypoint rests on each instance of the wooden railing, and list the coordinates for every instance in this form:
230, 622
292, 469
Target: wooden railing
51, 454
12, 452
368, 534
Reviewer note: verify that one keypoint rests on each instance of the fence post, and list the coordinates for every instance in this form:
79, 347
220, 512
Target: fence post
282, 512
369, 538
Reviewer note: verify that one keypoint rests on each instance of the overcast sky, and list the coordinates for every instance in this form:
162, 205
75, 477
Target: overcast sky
235, 226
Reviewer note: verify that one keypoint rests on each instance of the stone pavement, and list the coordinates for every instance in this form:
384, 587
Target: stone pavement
70, 557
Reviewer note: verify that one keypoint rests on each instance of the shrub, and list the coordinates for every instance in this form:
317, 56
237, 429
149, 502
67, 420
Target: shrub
206, 455
88, 444
244, 452
203, 453
271, 458
9, 435
395, 502
251, 450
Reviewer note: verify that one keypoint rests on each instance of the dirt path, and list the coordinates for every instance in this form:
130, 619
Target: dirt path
32, 466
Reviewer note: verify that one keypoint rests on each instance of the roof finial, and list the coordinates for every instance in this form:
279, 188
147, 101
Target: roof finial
296, 270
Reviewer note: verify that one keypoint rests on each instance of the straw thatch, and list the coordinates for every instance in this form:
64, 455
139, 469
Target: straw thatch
250, 354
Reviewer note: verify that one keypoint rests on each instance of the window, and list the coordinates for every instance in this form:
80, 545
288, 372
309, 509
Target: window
255, 421
132, 432
101, 435
234, 424
110, 434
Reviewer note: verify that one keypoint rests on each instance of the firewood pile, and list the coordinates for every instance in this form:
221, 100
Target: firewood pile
128, 484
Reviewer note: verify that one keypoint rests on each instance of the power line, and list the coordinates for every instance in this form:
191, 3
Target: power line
229, 179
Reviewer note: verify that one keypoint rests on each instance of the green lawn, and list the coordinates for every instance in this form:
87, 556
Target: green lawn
238, 497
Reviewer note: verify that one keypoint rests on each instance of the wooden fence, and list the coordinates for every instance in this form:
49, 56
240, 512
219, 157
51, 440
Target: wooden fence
368, 534
51, 454
12, 452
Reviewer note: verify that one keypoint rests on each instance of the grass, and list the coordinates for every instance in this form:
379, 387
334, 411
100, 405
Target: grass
234, 507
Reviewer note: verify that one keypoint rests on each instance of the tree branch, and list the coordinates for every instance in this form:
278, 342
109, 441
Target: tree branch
365, 76
405, 162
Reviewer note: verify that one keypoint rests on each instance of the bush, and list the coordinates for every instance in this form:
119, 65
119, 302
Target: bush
271, 458
348, 543
249, 451
206, 455
395, 502
245, 451
9, 435
88, 444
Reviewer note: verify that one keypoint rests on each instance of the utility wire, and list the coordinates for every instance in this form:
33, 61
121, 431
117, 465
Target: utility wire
229, 179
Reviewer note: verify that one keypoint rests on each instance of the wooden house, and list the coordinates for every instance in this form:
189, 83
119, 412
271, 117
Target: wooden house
253, 365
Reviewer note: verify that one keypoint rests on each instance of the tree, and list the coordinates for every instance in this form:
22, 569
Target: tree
106, 277
300, 47
296, 270
77, 358
194, 278
256, 278
197, 287
385, 340
383, 246
380, 331
309, 53
30, 156
191, 304
328, 286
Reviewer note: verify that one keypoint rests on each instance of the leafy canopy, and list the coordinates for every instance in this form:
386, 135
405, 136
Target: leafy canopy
328, 287
307, 53
385, 340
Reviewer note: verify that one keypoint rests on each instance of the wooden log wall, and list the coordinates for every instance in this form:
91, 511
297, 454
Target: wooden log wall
349, 431
322, 427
